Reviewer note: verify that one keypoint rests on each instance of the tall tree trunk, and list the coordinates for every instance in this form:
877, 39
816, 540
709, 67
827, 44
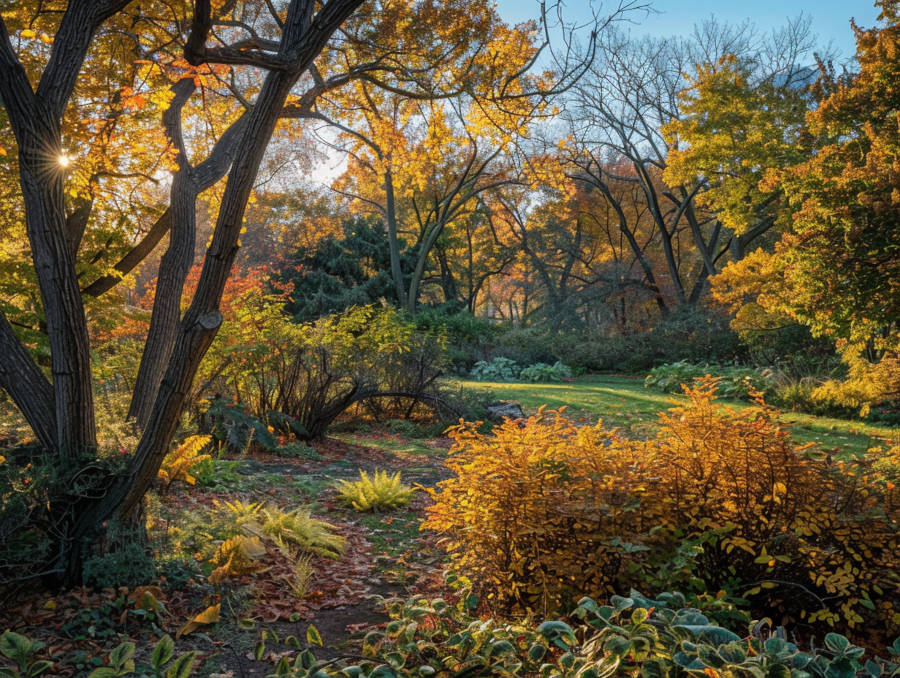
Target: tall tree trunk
393, 238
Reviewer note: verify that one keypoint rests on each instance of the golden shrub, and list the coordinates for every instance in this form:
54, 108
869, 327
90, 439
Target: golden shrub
544, 512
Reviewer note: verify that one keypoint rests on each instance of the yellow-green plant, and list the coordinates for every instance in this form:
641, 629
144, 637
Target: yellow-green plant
303, 574
378, 492
299, 529
179, 463
236, 556
244, 528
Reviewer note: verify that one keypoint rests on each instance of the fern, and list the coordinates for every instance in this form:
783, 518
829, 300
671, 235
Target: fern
236, 556
291, 531
178, 464
380, 492
300, 529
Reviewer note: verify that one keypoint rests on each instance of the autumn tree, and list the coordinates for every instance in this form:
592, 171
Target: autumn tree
619, 117
37, 92
423, 159
836, 269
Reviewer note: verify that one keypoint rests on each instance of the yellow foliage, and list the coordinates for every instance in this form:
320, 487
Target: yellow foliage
178, 464
378, 492
235, 557
545, 512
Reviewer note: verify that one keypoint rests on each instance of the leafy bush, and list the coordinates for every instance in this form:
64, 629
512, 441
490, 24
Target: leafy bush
412, 429
126, 562
378, 492
734, 382
234, 426
544, 372
631, 636
298, 451
504, 369
544, 512
300, 378
22, 652
468, 337
218, 474
498, 369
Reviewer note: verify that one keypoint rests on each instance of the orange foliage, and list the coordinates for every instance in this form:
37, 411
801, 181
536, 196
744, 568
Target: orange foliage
542, 512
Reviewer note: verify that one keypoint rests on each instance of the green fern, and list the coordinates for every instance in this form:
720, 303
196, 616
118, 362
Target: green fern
298, 528
291, 531
380, 492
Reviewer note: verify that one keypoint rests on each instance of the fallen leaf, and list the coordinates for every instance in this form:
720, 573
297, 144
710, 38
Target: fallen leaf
209, 616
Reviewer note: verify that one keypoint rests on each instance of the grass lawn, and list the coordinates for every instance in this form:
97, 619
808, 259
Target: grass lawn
623, 401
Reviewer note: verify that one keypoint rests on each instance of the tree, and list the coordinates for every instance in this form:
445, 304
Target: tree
338, 273
739, 119
626, 120
836, 269
61, 411
423, 158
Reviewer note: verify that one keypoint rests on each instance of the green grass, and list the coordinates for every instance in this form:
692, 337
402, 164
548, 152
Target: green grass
622, 401
404, 448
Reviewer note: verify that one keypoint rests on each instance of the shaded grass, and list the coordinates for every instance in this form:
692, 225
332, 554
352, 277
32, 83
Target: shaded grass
622, 401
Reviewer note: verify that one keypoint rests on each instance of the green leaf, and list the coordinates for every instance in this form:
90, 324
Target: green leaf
103, 672
163, 652
620, 603
639, 616
536, 652
39, 667
182, 666
836, 642
841, 668
711, 634
873, 669
15, 646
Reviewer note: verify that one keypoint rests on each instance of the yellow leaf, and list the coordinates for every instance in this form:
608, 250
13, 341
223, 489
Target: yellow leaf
209, 616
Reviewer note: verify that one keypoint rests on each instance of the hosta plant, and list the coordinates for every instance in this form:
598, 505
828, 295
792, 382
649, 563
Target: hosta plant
544, 372
498, 369
378, 492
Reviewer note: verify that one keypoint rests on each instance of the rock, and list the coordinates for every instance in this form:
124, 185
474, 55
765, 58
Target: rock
505, 410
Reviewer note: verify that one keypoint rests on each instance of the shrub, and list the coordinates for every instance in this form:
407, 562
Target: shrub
498, 369
631, 636
127, 561
544, 372
544, 512
734, 382
300, 378
234, 426
298, 451
378, 492
468, 337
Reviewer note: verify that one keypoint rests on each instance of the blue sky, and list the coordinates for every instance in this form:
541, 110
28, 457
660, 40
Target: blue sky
830, 18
